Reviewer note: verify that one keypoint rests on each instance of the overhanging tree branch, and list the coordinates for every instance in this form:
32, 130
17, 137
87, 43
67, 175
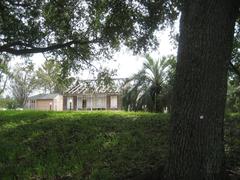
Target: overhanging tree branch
29, 49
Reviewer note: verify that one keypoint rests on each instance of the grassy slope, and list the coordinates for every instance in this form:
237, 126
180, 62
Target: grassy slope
90, 145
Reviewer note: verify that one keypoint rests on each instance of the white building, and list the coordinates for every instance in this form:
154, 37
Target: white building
88, 95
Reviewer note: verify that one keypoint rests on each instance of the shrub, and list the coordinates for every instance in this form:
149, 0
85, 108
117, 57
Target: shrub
8, 103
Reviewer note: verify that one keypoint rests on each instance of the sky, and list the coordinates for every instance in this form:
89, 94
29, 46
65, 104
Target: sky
124, 61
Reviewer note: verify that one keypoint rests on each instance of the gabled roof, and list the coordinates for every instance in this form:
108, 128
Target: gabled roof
43, 96
92, 86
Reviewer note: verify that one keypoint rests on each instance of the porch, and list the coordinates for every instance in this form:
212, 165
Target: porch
92, 102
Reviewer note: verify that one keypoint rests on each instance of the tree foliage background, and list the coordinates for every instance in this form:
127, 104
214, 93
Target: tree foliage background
51, 79
4, 72
23, 82
233, 95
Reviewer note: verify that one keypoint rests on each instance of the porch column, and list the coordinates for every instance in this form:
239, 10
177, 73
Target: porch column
91, 102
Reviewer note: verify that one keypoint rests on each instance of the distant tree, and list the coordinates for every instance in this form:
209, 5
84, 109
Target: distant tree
23, 82
147, 88
4, 72
51, 78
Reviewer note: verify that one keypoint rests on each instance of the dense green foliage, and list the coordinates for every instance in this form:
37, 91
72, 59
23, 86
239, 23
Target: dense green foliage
91, 145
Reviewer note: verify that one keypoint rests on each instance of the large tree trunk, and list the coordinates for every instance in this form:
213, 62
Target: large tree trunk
196, 142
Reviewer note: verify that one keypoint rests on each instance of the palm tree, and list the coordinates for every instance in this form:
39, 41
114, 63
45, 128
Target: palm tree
144, 90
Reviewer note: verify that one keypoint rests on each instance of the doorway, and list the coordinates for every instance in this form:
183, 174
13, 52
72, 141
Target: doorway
84, 103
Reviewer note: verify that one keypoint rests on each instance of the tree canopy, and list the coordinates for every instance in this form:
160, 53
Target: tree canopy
79, 30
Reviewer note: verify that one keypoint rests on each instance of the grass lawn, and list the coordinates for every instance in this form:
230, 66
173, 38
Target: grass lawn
82, 145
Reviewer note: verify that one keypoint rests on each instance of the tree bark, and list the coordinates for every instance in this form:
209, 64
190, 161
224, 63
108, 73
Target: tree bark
205, 45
